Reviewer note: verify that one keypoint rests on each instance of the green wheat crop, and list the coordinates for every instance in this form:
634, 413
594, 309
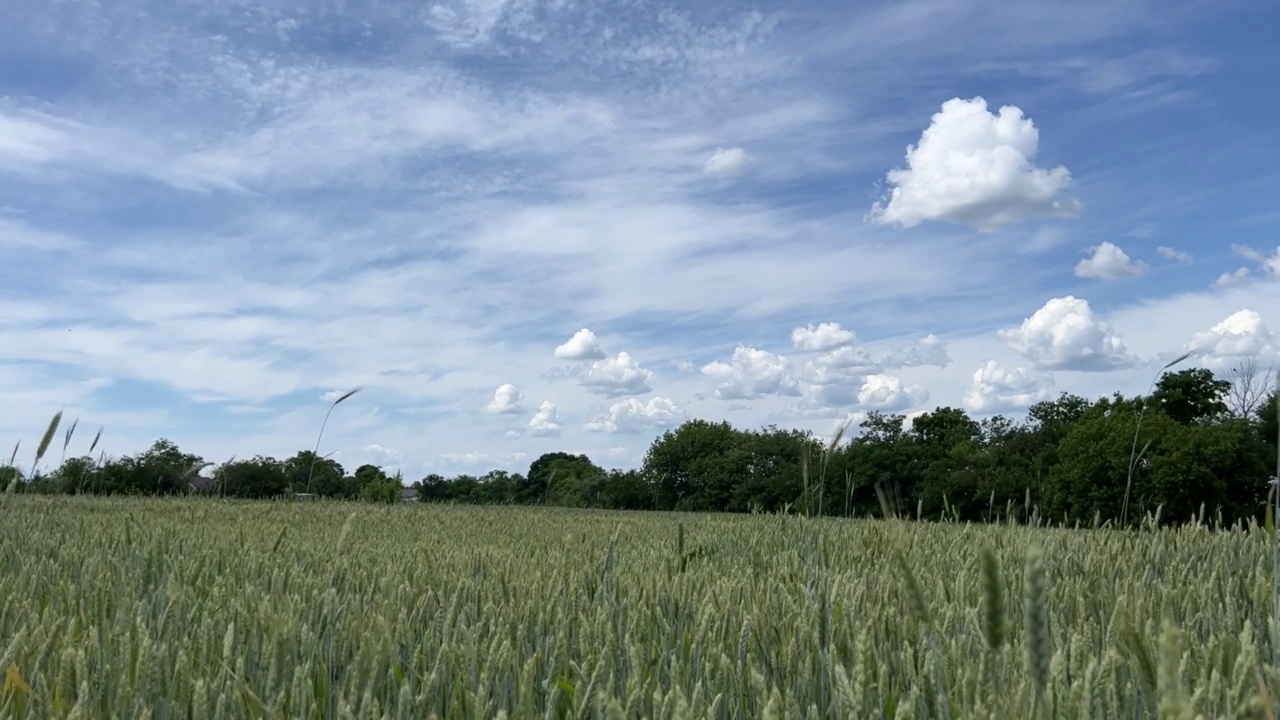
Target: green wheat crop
185, 608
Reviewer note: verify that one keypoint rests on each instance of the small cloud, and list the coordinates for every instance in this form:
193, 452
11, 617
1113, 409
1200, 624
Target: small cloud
1173, 254
582, 346
1109, 262
506, 401
929, 350
975, 168
1232, 278
1063, 335
1045, 238
725, 161
1143, 231
618, 375
386, 453
1269, 264
545, 422
824, 336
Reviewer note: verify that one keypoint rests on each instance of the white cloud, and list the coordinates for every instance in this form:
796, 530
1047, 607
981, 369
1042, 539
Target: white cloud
582, 346
618, 375
851, 358
545, 422
1269, 264
1109, 262
1241, 335
888, 393
725, 161
823, 336
385, 453
975, 168
1063, 335
1230, 279
632, 416
928, 350
995, 388
1174, 254
506, 401
750, 374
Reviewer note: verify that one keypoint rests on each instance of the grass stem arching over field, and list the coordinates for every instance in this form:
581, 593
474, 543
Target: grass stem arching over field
115, 607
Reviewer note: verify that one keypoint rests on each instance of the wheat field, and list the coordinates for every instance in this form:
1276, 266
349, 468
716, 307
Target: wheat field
184, 608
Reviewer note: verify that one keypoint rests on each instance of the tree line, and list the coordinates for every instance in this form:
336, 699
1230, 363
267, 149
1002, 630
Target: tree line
1197, 445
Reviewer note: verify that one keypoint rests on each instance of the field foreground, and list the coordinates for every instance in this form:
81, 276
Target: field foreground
113, 608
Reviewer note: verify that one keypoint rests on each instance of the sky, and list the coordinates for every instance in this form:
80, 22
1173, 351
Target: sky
523, 226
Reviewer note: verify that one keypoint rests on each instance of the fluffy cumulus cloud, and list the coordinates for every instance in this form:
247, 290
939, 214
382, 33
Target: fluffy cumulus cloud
582, 346
506, 401
632, 416
889, 394
823, 336
1108, 262
1242, 335
996, 388
725, 161
618, 375
545, 422
1065, 335
975, 168
752, 373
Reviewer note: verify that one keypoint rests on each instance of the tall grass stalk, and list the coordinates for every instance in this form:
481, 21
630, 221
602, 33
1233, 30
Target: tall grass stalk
315, 454
1134, 455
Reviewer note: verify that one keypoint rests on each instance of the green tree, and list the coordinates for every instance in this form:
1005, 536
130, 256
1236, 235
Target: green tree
561, 479
1094, 461
326, 475
257, 477
381, 491
1191, 395
367, 475
10, 475
875, 465
696, 466
627, 490
943, 466
164, 469
74, 476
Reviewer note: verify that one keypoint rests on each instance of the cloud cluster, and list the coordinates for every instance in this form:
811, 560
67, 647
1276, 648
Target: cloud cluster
751, 374
632, 416
996, 388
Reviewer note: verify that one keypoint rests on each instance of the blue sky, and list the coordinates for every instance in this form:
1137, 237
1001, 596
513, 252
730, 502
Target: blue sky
528, 225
